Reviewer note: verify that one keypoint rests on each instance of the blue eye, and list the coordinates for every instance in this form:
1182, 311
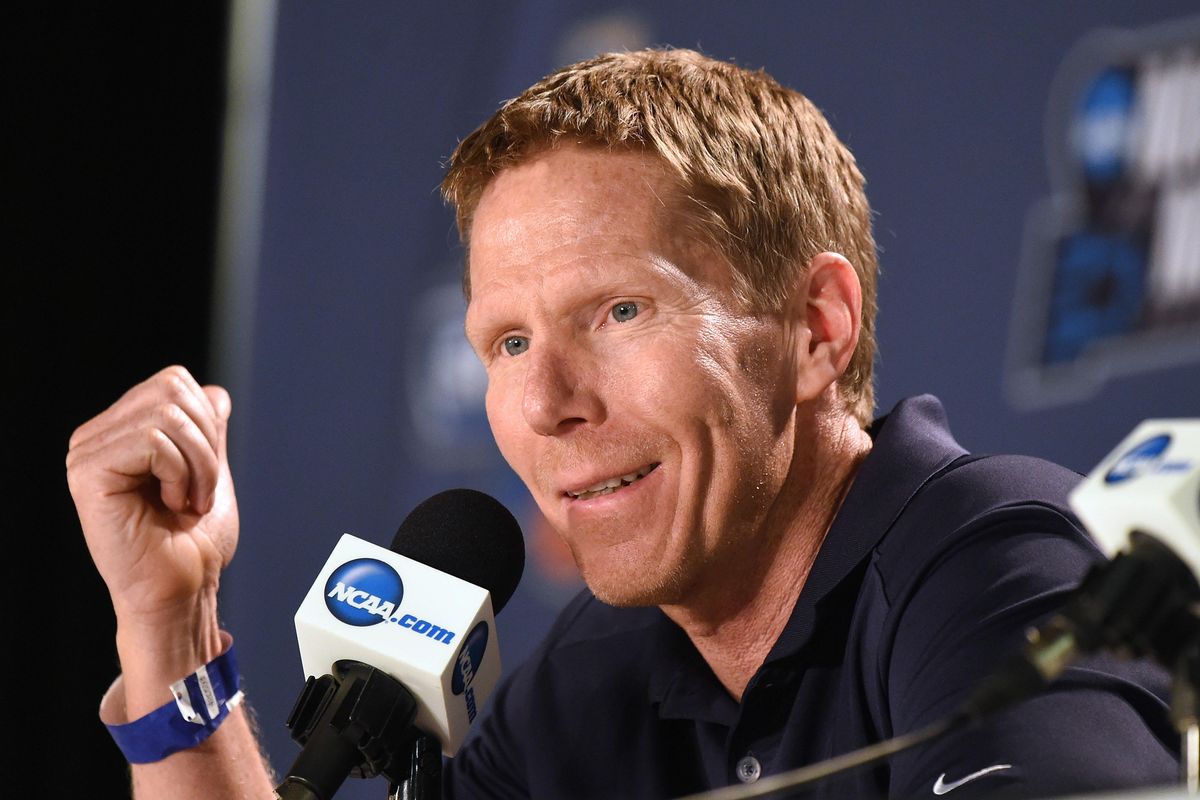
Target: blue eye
515, 345
623, 312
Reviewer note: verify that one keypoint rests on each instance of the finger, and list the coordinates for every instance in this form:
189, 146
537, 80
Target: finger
126, 463
136, 397
181, 430
169, 465
169, 414
171, 385
202, 399
200, 451
222, 404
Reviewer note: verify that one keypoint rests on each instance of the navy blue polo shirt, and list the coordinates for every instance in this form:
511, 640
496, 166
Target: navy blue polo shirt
932, 571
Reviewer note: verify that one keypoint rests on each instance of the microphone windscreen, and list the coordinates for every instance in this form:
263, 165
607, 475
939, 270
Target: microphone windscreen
469, 535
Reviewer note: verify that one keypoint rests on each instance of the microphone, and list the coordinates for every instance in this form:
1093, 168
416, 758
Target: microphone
1149, 483
1142, 506
404, 641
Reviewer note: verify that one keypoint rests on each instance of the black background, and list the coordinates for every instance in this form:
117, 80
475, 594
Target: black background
112, 201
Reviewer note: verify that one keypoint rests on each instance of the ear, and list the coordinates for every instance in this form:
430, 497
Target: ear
826, 315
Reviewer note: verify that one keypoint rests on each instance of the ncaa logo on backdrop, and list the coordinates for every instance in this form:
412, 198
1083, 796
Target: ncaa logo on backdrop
1146, 458
363, 592
1110, 270
466, 664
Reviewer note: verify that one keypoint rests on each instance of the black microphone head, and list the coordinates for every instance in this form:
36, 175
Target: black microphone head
469, 535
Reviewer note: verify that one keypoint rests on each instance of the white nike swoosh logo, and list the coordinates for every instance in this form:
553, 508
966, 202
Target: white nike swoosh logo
941, 787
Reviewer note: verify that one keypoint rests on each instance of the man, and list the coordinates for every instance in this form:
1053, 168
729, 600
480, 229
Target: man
671, 284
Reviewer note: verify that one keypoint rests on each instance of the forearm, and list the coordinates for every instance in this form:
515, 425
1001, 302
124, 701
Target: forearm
151, 482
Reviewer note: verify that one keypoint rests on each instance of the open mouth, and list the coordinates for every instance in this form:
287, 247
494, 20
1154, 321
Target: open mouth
611, 485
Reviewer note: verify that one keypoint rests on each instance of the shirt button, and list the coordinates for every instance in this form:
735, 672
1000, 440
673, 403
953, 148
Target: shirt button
748, 769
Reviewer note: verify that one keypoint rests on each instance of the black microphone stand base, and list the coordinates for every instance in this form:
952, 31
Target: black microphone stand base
355, 721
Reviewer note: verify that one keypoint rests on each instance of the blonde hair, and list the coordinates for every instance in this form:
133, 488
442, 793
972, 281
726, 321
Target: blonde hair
763, 177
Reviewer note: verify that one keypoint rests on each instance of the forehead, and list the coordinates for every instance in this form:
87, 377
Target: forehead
590, 199
570, 175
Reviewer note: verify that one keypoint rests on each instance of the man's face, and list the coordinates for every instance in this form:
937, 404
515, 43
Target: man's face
648, 412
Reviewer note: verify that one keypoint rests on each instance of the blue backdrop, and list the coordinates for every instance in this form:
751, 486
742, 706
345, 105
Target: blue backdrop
362, 399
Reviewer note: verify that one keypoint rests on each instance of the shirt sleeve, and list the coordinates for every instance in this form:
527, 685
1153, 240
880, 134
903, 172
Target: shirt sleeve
1102, 725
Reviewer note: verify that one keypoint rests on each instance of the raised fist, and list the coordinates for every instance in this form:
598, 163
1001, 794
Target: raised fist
151, 482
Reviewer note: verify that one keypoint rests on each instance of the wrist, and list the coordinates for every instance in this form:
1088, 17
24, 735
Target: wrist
155, 650
201, 701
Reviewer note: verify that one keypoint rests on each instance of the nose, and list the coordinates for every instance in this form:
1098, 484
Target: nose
560, 393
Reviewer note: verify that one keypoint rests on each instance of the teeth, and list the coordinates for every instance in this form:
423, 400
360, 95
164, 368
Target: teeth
610, 485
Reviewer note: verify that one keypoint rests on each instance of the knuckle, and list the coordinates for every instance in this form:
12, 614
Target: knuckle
73, 484
175, 372
172, 416
166, 460
155, 439
173, 386
76, 438
76, 461
71, 462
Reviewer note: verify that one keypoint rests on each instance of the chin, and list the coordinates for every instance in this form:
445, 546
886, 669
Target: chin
632, 585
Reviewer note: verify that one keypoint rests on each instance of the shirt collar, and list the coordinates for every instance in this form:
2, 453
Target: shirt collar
911, 444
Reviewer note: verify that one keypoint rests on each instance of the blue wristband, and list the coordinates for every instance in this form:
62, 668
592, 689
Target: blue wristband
202, 702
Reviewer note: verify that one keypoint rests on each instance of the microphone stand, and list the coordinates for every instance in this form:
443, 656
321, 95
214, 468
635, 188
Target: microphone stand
424, 779
356, 721
1153, 612
1144, 602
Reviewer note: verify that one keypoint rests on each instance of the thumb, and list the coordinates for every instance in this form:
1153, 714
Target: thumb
223, 405
220, 400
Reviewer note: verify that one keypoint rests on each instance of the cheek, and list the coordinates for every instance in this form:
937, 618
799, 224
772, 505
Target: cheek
640, 385
677, 374
754, 367
503, 408
742, 371
731, 375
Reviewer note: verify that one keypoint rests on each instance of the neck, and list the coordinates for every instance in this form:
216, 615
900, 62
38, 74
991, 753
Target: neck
736, 620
